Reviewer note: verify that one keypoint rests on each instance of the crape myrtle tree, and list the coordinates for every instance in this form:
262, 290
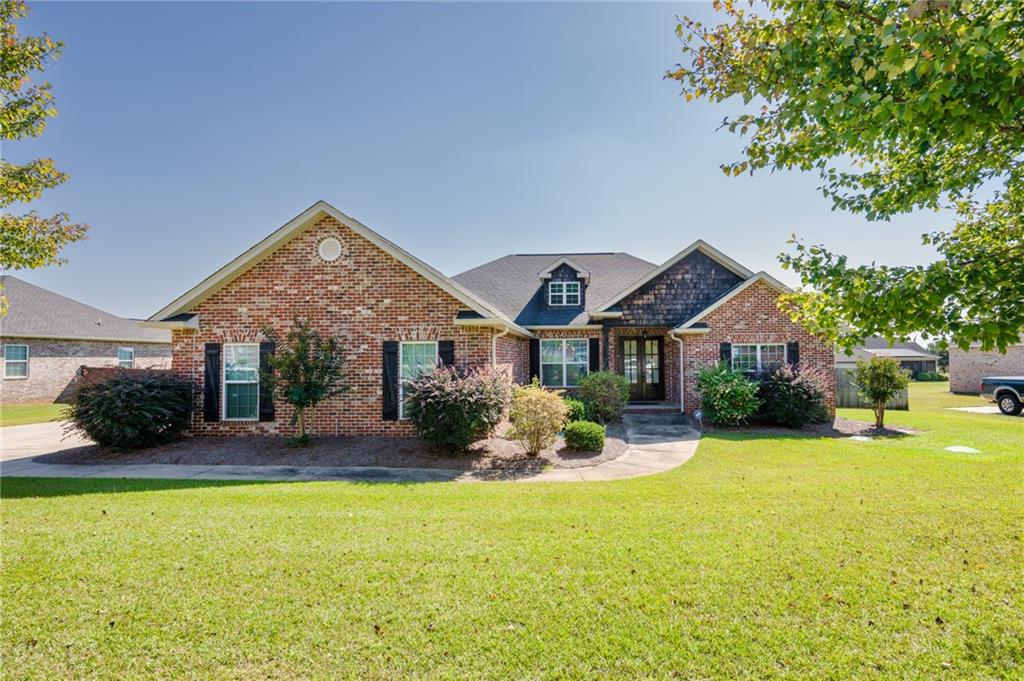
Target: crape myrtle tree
897, 105
27, 240
306, 369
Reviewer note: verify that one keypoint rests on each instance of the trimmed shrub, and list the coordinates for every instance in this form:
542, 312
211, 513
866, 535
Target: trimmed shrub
577, 410
453, 409
792, 397
878, 380
536, 415
728, 397
585, 436
930, 376
130, 411
604, 393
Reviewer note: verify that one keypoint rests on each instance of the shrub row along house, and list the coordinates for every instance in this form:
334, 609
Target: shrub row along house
46, 338
555, 316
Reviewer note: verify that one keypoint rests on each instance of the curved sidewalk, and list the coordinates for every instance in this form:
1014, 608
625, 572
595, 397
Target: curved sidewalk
656, 443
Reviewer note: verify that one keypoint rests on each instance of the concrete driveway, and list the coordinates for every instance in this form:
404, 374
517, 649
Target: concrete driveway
24, 442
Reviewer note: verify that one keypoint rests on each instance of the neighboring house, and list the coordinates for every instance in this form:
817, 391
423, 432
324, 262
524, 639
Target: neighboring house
968, 367
45, 338
555, 316
910, 355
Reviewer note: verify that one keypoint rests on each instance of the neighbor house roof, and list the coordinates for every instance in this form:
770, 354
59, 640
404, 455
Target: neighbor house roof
35, 312
901, 353
172, 314
513, 285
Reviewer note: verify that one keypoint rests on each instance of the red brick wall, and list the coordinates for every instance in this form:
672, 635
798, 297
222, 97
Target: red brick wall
751, 317
514, 352
365, 297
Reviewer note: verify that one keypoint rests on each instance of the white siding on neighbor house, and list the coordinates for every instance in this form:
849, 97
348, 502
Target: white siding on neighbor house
53, 365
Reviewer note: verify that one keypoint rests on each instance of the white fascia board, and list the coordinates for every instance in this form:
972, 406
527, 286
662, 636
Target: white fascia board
580, 271
760, 276
698, 245
494, 322
99, 339
267, 246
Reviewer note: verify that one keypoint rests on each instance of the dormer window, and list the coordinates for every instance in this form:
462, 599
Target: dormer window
564, 293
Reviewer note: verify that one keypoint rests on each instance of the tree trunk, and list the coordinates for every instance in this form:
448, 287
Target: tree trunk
880, 415
302, 423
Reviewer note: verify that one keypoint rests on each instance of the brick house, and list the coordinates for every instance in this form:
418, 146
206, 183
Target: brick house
45, 339
968, 367
554, 316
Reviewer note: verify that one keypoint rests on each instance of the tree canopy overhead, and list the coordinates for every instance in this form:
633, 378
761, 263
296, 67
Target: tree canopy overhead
897, 106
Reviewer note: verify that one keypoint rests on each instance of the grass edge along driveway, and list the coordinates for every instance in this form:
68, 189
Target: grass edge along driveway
23, 414
761, 557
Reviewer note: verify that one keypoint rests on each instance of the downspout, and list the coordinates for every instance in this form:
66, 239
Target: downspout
682, 402
494, 347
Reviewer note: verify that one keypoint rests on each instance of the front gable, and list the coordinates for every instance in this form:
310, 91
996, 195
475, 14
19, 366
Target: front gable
331, 251
678, 292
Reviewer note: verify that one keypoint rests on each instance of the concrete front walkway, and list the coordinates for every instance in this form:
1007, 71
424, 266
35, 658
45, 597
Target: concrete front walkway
657, 443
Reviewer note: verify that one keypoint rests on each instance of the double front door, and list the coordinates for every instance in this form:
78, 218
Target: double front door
642, 365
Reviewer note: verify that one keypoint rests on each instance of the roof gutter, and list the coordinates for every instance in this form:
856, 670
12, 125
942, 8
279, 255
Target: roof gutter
495, 322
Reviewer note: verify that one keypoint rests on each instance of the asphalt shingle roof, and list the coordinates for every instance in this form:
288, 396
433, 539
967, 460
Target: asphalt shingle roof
512, 284
38, 313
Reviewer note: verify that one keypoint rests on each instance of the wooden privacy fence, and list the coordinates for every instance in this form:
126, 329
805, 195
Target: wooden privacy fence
846, 393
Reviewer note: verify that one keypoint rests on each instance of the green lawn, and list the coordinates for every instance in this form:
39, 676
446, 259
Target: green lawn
762, 557
20, 414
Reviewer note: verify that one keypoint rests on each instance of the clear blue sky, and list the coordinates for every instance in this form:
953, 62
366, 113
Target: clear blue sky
460, 131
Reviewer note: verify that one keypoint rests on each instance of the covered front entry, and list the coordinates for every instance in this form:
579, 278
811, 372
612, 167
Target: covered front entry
643, 366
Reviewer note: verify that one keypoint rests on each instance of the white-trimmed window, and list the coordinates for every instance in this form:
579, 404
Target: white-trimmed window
126, 358
758, 357
414, 358
241, 381
563, 362
564, 293
15, 361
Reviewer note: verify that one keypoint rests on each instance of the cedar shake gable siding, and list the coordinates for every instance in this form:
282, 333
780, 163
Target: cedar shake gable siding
365, 297
679, 293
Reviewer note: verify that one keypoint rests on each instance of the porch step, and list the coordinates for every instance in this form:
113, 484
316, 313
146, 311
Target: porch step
652, 408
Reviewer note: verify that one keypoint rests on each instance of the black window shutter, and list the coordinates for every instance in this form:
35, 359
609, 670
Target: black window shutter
725, 352
793, 352
266, 394
595, 354
446, 352
390, 377
211, 383
534, 358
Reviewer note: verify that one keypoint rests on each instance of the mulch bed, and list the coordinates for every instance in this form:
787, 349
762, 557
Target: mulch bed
393, 452
839, 427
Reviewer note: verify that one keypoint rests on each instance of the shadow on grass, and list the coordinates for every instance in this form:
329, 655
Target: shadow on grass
21, 488
25, 488
784, 434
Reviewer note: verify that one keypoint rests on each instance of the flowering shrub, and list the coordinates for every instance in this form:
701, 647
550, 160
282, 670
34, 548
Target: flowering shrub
453, 409
537, 415
585, 436
605, 394
792, 397
728, 397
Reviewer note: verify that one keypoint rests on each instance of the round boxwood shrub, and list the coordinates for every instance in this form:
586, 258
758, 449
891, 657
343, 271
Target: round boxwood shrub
584, 436
604, 393
132, 411
577, 410
792, 398
453, 409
